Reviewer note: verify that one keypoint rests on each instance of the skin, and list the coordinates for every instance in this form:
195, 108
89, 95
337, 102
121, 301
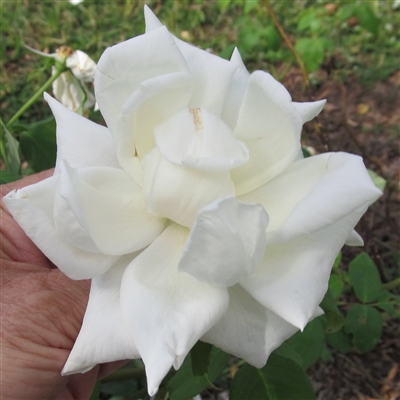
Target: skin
40, 317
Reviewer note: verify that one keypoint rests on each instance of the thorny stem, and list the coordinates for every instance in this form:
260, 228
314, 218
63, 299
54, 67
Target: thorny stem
287, 41
60, 68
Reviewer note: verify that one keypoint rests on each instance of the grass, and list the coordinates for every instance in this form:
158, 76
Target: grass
219, 25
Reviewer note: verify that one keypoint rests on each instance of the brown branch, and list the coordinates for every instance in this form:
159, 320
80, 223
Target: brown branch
287, 41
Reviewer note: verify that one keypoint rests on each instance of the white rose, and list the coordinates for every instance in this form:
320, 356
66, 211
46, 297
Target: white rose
193, 212
82, 66
70, 87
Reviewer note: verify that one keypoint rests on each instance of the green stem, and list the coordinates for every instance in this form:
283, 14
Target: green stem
3, 151
60, 68
392, 284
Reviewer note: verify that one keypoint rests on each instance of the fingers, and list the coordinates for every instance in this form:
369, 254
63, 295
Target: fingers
28, 180
15, 245
81, 385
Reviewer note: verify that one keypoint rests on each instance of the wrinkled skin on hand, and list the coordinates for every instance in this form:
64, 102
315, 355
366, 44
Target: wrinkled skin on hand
41, 315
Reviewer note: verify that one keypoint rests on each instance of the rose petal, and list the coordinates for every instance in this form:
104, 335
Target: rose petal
82, 66
154, 101
199, 139
293, 277
309, 110
167, 311
344, 188
212, 77
68, 227
68, 91
32, 207
354, 239
110, 206
124, 66
237, 89
80, 141
152, 22
281, 195
270, 126
211, 74
177, 192
313, 193
226, 243
104, 336
248, 330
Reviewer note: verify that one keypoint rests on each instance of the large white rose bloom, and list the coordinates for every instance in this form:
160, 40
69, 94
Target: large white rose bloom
194, 212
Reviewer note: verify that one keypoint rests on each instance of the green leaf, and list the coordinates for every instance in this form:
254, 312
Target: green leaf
334, 317
365, 323
13, 160
336, 286
38, 144
340, 341
249, 38
218, 362
378, 181
287, 351
8, 176
223, 4
249, 6
162, 394
326, 355
338, 260
272, 37
367, 18
184, 385
346, 11
306, 152
281, 378
309, 344
312, 52
389, 302
201, 355
96, 392
364, 277
309, 20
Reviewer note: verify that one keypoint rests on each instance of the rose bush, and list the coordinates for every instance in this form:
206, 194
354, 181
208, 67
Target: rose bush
194, 212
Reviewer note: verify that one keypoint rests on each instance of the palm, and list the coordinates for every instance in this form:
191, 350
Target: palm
41, 314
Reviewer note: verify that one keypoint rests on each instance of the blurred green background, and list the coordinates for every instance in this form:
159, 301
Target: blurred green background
357, 38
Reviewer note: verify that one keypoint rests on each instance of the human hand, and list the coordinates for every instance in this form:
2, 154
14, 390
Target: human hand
41, 314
